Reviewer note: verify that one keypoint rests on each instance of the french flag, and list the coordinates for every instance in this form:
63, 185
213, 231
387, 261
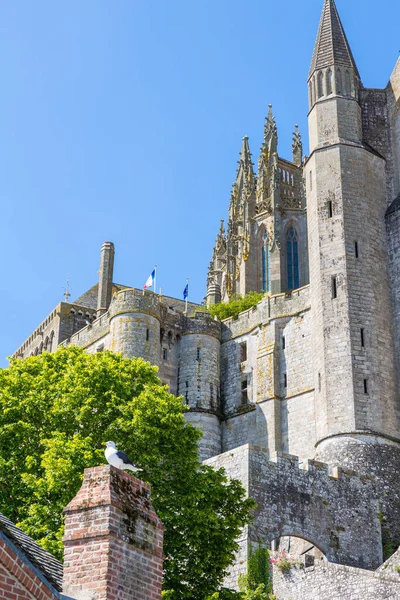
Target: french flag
150, 280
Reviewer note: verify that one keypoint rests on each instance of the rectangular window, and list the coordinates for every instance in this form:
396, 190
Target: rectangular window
198, 353
330, 209
362, 337
356, 249
147, 334
283, 343
100, 348
165, 354
334, 288
365, 386
198, 395
243, 352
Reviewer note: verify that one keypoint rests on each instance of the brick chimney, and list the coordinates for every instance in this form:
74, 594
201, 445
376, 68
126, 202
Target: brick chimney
113, 542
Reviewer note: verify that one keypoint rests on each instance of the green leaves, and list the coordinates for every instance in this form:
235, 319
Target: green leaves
236, 305
57, 409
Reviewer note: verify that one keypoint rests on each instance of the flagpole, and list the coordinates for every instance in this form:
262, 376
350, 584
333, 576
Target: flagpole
155, 279
186, 300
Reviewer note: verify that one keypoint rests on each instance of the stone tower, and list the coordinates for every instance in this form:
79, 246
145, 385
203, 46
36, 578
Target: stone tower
265, 213
356, 403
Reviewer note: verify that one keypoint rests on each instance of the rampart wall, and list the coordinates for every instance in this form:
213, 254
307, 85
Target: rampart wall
335, 510
334, 582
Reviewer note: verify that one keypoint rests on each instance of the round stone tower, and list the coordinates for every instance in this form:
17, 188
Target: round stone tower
199, 379
135, 325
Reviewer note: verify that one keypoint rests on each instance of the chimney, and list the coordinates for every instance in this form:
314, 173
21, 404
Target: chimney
105, 277
113, 542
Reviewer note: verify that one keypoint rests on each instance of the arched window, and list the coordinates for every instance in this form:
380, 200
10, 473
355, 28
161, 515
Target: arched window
329, 82
310, 94
266, 265
320, 84
292, 252
348, 83
339, 82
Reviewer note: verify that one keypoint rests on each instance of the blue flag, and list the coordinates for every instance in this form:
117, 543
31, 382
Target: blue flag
186, 292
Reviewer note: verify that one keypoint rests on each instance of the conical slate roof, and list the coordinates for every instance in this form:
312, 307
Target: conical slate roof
331, 47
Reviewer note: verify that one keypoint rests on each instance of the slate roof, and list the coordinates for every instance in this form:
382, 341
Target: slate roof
331, 47
45, 563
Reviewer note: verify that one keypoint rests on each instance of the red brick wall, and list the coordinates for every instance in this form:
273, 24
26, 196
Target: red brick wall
17, 580
113, 539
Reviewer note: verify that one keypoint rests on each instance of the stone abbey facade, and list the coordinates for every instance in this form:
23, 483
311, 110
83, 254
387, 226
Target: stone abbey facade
298, 397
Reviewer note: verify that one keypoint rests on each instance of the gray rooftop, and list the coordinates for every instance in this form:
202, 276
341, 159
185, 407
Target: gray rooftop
49, 567
331, 47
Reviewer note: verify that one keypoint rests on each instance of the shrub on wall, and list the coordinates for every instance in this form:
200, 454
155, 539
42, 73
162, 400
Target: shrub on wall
236, 305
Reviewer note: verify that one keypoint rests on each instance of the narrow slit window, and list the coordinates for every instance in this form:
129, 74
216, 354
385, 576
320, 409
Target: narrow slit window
147, 334
356, 249
245, 396
330, 209
362, 337
319, 382
165, 354
243, 352
198, 353
285, 380
310, 181
283, 342
365, 386
334, 288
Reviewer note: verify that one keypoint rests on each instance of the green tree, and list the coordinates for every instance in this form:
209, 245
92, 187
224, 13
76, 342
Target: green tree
55, 412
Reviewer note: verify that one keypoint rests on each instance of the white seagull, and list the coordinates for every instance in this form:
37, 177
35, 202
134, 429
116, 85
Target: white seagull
119, 459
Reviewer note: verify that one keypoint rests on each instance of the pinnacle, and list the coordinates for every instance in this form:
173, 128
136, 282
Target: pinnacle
331, 47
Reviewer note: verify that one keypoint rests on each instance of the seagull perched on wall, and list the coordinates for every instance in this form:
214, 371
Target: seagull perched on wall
119, 459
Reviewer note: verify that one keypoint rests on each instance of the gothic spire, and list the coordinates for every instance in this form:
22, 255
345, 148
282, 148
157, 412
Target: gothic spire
245, 159
331, 47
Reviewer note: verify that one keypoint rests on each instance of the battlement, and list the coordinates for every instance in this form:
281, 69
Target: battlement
335, 509
90, 333
202, 323
133, 300
268, 309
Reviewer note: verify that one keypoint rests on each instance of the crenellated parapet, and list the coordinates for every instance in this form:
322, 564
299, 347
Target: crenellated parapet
202, 323
336, 510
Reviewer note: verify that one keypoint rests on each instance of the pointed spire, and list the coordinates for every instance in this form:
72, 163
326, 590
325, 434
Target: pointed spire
270, 131
297, 147
245, 159
331, 47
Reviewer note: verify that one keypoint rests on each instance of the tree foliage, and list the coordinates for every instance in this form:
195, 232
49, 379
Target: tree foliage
55, 412
236, 305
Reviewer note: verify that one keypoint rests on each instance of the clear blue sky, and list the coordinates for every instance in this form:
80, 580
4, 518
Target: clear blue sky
122, 120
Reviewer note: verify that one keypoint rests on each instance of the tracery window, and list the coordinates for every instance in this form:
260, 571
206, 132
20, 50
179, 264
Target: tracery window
266, 265
292, 253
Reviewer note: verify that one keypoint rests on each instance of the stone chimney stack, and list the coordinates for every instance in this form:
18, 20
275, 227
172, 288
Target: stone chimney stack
113, 543
105, 277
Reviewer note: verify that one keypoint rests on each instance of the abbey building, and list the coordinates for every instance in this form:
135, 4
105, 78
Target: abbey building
298, 397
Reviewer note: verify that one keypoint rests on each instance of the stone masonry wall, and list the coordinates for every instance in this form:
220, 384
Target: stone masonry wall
276, 369
333, 582
336, 511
